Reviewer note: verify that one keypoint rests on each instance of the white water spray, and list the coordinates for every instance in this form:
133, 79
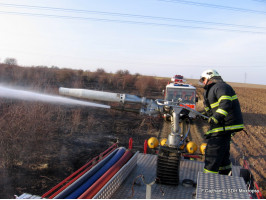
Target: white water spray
13, 93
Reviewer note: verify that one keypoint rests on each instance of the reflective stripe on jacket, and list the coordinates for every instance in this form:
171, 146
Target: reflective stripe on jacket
222, 103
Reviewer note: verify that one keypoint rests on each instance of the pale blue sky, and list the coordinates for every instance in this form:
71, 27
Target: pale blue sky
157, 45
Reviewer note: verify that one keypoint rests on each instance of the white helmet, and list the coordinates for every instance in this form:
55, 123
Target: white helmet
208, 74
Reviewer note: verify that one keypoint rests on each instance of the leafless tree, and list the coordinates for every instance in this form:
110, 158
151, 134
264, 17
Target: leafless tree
10, 61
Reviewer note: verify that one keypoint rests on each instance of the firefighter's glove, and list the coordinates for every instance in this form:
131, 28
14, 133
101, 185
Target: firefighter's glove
212, 120
204, 113
203, 118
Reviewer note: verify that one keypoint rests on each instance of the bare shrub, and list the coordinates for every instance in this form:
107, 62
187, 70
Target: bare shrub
145, 84
24, 127
64, 75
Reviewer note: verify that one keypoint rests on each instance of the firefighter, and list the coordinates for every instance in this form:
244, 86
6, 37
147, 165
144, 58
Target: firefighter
225, 118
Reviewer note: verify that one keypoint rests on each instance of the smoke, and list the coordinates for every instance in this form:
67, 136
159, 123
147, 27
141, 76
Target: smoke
14, 93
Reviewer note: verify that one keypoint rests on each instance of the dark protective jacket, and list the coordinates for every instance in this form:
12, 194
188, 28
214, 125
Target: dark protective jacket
222, 103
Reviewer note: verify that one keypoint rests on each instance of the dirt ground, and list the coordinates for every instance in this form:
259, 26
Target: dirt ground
252, 145
76, 148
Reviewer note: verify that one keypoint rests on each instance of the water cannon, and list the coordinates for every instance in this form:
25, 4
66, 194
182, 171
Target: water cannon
151, 107
101, 96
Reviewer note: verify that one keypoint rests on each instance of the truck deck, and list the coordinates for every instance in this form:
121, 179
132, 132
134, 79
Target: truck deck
139, 182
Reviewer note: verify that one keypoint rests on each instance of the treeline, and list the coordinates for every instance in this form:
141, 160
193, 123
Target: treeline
45, 78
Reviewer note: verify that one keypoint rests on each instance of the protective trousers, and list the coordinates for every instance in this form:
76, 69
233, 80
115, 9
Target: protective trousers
217, 154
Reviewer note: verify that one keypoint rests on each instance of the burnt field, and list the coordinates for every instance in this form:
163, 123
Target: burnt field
42, 143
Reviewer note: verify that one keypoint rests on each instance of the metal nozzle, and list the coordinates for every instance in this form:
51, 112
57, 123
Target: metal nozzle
91, 94
101, 96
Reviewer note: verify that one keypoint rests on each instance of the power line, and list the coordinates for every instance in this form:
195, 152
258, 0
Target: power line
130, 15
261, 1
130, 22
216, 6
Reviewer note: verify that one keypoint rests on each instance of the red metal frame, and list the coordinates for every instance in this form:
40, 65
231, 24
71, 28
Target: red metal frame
145, 147
130, 143
78, 173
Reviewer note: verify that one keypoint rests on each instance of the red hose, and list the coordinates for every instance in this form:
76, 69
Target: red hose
70, 182
66, 179
97, 186
107, 152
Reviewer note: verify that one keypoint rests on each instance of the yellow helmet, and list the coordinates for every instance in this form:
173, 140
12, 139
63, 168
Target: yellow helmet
191, 147
153, 142
163, 141
202, 148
